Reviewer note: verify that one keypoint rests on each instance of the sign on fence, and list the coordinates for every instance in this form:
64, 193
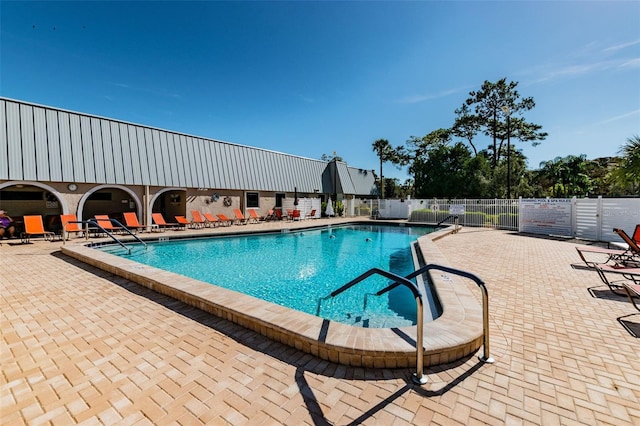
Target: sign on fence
457, 209
551, 216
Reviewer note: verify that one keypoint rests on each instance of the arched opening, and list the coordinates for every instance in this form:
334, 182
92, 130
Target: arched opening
19, 199
110, 200
171, 202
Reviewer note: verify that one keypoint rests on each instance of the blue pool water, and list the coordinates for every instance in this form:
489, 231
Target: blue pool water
296, 269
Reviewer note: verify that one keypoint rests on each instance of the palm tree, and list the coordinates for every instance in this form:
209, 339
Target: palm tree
628, 173
386, 153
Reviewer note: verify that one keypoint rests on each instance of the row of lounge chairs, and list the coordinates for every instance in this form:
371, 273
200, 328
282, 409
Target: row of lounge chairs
34, 226
623, 263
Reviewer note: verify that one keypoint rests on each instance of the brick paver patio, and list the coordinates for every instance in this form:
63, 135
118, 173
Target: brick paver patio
82, 346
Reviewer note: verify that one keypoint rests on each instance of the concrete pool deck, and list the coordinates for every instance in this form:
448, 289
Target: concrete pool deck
452, 336
80, 345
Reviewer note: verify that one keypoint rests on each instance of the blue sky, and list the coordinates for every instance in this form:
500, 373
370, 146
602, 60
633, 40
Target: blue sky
310, 78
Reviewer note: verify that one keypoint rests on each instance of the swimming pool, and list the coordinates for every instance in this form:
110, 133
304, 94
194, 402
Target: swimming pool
296, 269
455, 334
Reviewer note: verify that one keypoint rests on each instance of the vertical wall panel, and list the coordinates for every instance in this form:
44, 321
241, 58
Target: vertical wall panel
228, 167
28, 143
175, 156
201, 162
118, 156
246, 172
208, 164
169, 158
87, 149
126, 153
263, 171
66, 152
53, 142
98, 150
15, 142
217, 164
144, 161
135, 155
108, 156
190, 165
162, 167
4, 148
41, 145
77, 149
174, 140
253, 171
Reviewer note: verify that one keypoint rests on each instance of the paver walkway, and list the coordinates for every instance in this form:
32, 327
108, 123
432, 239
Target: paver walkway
82, 346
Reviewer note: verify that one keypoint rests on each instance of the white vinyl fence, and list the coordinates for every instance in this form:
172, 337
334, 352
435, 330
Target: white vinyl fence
588, 218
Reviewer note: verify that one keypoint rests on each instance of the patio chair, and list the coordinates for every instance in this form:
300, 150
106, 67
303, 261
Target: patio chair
271, 215
224, 220
131, 221
158, 219
295, 214
253, 216
630, 276
183, 222
197, 220
104, 221
211, 219
70, 225
615, 256
633, 246
33, 226
633, 290
311, 214
239, 217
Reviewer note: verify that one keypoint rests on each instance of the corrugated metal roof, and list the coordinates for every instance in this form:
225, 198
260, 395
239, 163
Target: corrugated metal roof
48, 144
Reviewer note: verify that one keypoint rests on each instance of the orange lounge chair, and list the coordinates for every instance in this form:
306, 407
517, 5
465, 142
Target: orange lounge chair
311, 214
271, 215
197, 219
636, 234
70, 224
295, 215
104, 222
631, 277
211, 219
240, 219
184, 222
158, 219
633, 246
633, 290
629, 274
615, 256
224, 220
253, 216
33, 226
131, 221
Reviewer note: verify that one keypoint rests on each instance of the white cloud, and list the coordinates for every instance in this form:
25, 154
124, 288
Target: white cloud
414, 99
620, 117
621, 46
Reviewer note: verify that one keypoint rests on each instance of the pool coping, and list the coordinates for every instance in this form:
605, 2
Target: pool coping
454, 335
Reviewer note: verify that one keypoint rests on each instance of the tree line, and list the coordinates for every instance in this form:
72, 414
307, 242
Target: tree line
448, 163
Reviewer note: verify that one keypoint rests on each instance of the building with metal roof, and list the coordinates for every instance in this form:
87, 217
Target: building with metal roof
54, 161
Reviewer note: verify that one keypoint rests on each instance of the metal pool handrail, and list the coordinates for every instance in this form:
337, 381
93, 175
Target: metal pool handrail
418, 377
94, 222
485, 357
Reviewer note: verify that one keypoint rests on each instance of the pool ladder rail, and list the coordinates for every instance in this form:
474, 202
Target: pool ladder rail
93, 224
419, 377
